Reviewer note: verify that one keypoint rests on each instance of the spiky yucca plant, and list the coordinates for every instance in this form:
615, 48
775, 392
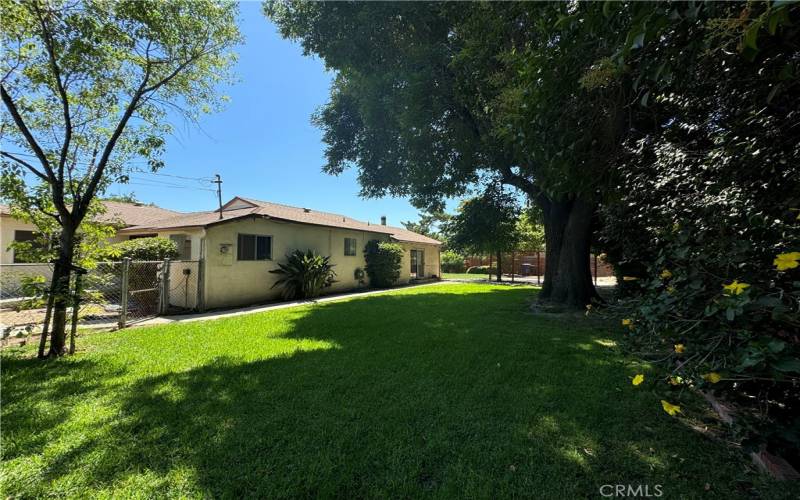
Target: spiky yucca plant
304, 275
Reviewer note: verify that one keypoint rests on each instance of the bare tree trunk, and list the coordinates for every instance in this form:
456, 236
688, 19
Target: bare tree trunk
61, 278
48, 313
499, 267
568, 234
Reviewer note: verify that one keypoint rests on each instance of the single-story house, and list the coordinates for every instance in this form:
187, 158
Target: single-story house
239, 244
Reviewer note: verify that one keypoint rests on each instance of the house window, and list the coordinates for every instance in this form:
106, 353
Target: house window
26, 236
184, 244
137, 236
350, 246
254, 247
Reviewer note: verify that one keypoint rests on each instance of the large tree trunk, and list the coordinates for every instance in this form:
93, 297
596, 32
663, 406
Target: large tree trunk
499, 267
61, 279
568, 235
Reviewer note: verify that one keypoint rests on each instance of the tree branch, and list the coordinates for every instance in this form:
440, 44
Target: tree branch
62, 92
522, 183
131, 108
26, 165
20, 123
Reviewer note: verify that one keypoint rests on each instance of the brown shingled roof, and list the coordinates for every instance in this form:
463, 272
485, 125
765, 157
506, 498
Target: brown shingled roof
134, 214
259, 208
126, 214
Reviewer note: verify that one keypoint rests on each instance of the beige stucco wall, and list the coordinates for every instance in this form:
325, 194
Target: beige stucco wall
193, 233
7, 227
431, 260
229, 282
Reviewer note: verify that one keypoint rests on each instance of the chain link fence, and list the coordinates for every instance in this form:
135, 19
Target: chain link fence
114, 294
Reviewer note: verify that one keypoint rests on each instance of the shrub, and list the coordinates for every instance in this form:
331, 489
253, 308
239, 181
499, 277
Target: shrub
712, 238
452, 262
155, 248
482, 270
383, 262
304, 275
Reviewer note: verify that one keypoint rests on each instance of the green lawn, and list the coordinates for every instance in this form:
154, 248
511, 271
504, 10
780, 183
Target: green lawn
464, 276
447, 390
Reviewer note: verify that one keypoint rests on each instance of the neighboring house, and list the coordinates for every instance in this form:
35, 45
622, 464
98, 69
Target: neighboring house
239, 249
118, 213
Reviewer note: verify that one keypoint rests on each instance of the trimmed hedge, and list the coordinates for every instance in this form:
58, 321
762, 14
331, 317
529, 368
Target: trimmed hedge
143, 249
383, 263
452, 262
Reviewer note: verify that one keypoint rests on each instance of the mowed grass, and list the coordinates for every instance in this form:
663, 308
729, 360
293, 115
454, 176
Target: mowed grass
446, 390
465, 276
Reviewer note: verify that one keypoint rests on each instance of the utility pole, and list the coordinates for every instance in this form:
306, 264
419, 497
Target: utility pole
218, 182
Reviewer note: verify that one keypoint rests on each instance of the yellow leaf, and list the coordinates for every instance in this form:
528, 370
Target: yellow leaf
638, 379
786, 261
679, 348
629, 278
735, 288
670, 408
628, 322
712, 377
666, 274
675, 380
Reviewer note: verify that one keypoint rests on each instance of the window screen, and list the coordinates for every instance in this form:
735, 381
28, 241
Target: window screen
350, 246
254, 247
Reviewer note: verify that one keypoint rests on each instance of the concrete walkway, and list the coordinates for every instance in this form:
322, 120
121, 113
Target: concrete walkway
229, 313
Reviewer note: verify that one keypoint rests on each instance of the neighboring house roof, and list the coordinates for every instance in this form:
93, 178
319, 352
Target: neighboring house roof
134, 214
240, 207
125, 214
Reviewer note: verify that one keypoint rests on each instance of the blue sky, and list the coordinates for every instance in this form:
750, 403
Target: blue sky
263, 144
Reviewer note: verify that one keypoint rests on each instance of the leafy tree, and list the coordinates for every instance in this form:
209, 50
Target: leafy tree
530, 231
432, 98
90, 242
87, 85
429, 224
486, 224
123, 198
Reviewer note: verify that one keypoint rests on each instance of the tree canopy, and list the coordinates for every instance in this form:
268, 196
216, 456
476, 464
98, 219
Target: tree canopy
90, 85
486, 224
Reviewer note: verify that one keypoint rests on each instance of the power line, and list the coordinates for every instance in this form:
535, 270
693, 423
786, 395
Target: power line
208, 180
170, 186
160, 174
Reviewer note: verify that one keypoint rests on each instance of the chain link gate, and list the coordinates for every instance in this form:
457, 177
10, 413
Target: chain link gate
114, 294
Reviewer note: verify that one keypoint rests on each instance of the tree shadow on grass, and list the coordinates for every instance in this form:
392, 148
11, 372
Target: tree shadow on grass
419, 394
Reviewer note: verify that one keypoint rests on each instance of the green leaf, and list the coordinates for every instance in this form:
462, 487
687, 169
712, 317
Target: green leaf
776, 345
787, 364
750, 39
